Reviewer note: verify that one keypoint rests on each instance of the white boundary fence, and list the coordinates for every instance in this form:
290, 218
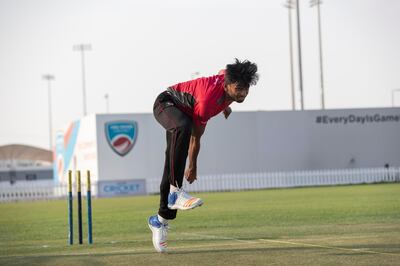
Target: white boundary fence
35, 190
251, 181
227, 182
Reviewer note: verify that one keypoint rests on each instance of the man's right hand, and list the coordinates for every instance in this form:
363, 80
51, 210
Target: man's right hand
191, 175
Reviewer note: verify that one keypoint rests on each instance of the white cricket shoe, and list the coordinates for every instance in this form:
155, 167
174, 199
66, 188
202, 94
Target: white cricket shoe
181, 200
160, 231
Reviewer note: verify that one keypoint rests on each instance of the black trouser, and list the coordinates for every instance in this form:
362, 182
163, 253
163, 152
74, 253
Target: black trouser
178, 126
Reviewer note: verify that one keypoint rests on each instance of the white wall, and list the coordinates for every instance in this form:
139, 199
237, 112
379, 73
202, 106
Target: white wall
251, 142
287, 141
145, 158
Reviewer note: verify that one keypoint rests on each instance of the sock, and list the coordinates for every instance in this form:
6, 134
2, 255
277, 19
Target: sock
162, 220
172, 189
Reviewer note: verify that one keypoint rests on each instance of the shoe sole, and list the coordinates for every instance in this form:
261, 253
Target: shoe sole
176, 207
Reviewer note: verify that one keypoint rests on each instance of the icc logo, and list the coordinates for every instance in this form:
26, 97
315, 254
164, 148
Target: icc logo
121, 136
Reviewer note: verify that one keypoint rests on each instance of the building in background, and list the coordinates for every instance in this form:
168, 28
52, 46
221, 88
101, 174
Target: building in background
22, 165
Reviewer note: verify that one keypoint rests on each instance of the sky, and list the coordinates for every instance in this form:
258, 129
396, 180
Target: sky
140, 47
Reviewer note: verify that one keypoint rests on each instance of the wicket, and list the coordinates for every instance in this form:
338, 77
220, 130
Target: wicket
70, 220
89, 208
70, 208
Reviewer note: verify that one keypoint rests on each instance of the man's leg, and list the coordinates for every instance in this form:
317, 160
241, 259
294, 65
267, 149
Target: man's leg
165, 185
178, 130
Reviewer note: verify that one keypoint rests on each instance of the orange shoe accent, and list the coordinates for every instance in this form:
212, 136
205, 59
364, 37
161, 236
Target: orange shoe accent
189, 202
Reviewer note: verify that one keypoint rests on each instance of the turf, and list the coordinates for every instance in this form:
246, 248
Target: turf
344, 225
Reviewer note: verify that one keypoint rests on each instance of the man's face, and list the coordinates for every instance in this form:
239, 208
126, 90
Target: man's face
236, 92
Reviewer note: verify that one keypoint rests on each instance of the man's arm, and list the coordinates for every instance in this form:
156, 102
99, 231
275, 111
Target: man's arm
194, 149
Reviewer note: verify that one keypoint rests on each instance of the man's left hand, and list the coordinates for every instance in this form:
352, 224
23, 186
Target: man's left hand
191, 175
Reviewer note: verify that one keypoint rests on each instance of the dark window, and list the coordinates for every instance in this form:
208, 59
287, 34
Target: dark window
30, 177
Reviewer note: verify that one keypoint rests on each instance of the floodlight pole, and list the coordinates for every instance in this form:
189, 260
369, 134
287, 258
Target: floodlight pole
318, 4
300, 63
289, 6
82, 48
49, 78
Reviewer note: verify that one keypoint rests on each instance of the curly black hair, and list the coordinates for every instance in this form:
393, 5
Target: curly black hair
243, 73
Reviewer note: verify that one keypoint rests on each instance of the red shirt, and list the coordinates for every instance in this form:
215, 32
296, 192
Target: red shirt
201, 98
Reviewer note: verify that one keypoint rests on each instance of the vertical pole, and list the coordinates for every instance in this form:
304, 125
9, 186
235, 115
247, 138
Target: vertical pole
50, 118
79, 207
49, 78
299, 48
320, 58
83, 82
82, 48
70, 213
291, 58
89, 208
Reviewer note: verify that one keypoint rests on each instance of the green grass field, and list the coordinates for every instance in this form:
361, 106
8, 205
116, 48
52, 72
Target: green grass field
345, 225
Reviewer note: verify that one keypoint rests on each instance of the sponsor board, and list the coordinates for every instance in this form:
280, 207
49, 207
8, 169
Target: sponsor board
121, 188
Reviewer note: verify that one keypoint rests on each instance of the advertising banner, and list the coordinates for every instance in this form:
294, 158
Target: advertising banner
122, 188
